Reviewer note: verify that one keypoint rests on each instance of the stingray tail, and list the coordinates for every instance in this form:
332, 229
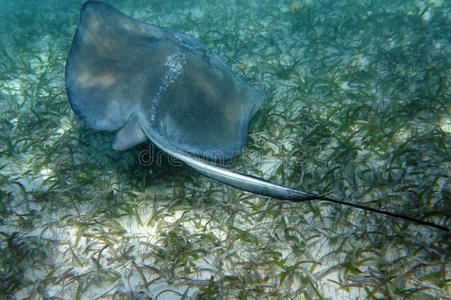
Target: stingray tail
262, 187
375, 210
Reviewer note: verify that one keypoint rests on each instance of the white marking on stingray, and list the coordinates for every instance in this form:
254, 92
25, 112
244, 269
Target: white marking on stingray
175, 62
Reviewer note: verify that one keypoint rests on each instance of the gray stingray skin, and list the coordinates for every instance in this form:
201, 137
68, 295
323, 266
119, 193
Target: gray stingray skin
148, 82
151, 82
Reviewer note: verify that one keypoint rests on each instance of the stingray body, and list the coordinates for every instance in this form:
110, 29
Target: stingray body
149, 82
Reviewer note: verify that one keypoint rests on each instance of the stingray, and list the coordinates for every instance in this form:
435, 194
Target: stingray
152, 83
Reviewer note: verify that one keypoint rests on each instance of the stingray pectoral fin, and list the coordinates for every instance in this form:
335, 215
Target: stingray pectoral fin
129, 135
113, 65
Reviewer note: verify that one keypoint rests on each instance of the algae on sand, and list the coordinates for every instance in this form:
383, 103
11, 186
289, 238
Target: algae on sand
359, 102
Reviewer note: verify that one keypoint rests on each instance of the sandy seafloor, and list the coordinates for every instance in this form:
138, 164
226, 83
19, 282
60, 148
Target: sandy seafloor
358, 109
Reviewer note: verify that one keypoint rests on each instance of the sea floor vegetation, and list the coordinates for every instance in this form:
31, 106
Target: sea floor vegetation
359, 108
